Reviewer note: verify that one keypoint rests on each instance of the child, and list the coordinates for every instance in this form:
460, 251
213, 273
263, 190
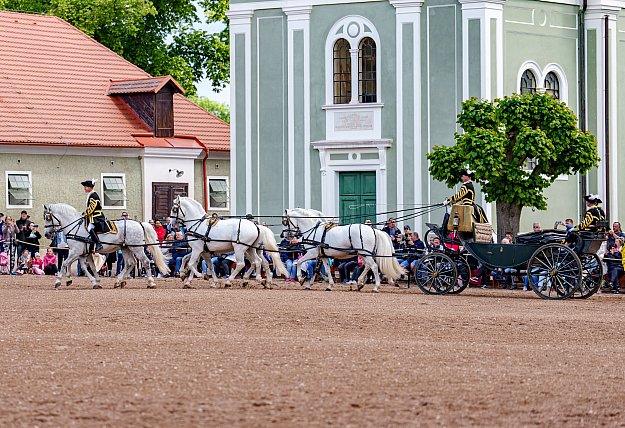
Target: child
23, 263
4, 263
36, 265
49, 262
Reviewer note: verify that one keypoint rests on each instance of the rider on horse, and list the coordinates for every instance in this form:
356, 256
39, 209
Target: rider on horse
95, 222
466, 196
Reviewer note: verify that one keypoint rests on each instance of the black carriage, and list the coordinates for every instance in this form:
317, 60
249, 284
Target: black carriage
558, 265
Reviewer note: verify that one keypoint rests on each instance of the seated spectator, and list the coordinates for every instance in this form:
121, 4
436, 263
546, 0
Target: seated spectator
292, 251
36, 265
177, 251
391, 228
161, 232
311, 266
221, 264
614, 263
23, 263
536, 227
346, 267
435, 244
420, 250
4, 263
49, 263
615, 233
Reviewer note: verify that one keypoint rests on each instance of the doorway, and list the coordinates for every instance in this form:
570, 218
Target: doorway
163, 195
357, 198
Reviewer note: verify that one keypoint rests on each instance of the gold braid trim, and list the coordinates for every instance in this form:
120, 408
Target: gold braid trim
463, 195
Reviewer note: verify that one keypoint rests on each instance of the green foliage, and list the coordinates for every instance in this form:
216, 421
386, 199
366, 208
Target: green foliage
220, 110
500, 136
156, 35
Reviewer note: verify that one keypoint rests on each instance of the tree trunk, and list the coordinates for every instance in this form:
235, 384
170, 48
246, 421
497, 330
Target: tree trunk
508, 219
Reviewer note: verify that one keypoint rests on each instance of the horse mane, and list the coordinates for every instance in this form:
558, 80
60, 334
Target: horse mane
64, 209
193, 202
304, 212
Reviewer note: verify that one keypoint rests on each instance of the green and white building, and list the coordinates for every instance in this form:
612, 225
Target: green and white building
335, 104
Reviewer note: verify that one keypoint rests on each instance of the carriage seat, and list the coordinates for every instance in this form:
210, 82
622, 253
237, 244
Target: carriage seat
483, 232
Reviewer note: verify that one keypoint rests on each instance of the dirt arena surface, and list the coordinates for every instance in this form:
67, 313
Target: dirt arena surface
252, 357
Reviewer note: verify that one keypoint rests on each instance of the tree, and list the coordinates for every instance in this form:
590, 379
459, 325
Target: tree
500, 137
156, 35
220, 110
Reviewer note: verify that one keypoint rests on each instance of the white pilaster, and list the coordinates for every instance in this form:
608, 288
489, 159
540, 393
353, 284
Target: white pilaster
241, 23
298, 19
596, 14
409, 12
484, 11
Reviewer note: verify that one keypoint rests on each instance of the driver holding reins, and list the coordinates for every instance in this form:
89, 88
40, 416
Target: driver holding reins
594, 215
94, 217
466, 196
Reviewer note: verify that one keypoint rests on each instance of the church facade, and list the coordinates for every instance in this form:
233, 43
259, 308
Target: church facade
334, 104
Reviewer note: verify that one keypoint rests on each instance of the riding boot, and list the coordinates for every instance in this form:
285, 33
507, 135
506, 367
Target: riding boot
94, 237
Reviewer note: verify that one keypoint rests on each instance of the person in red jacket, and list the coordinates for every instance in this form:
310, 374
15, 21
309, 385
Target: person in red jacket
161, 232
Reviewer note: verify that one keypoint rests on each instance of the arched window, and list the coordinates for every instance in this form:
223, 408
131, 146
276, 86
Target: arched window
367, 91
552, 85
528, 82
342, 72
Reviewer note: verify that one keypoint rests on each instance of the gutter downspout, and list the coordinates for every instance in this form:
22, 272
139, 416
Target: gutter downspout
606, 64
204, 179
582, 91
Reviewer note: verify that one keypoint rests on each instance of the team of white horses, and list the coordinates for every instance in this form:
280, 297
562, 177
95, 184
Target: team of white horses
245, 238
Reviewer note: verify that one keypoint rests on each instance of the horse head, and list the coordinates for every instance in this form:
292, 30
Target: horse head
57, 217
185, 209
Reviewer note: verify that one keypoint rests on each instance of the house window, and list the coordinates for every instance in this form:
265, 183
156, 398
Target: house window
530, 164
366, 71
528, 83
218, 193
19, 189
342, 72
552, 85
114, 191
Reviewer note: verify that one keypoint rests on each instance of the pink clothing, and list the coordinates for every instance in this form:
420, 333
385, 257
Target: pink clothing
49, 260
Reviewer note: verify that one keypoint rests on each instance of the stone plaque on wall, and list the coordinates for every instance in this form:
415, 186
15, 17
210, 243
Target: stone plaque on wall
353, 121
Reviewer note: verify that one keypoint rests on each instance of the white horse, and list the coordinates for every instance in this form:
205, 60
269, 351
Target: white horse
242, 236
320, 238
131, 237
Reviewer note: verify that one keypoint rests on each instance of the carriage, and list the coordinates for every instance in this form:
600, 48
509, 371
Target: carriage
557, 265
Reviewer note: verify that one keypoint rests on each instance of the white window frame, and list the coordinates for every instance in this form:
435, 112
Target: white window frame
541, 74
30, 179
340, 31
208, 190
117, 175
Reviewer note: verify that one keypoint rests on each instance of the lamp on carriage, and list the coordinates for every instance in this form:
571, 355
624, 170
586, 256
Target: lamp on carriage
178, 172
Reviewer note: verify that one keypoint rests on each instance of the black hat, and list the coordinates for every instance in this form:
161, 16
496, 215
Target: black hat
249, 216
593, 198
89, 183
468, 173
24, 212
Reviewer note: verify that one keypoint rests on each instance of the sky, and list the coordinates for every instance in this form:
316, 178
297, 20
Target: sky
204, 87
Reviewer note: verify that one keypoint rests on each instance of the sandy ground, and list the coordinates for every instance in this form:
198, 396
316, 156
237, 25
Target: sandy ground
288, 357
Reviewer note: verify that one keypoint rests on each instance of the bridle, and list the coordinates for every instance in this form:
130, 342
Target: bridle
177, 210
48, 216
292, 229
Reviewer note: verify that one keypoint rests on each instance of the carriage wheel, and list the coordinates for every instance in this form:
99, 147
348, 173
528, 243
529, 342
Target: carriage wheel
592, 276
431, 233
436, 273
464, 275
554, 271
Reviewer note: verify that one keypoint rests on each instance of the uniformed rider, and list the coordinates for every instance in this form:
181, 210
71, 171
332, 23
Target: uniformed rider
594, 215
94, 217
466, 196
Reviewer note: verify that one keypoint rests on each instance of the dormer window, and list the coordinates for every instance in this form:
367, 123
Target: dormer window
152, 100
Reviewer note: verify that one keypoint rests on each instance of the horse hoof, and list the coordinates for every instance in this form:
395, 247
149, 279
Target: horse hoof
360, 285
375, 290
328, 289
244, 284
151, 286
57, 285
97, 287
187, 286
68, 283
122, 284
227, 285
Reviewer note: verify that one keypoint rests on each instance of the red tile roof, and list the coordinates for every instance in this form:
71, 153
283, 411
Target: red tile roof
150, 84
176, 142
54, 81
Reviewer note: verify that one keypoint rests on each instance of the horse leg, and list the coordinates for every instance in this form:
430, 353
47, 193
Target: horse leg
192, 265
120, 281
239, 254
184, 264
376, 273
268, 273
310, 255
363, 276
67, 265
87, 262
144, 261
208, 258
326, 265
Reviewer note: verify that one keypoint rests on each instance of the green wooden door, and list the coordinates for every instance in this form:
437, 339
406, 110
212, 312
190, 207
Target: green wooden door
357, 196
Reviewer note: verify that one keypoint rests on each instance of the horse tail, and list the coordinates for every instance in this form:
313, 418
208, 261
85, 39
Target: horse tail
151, 239
387, 263
269, 241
